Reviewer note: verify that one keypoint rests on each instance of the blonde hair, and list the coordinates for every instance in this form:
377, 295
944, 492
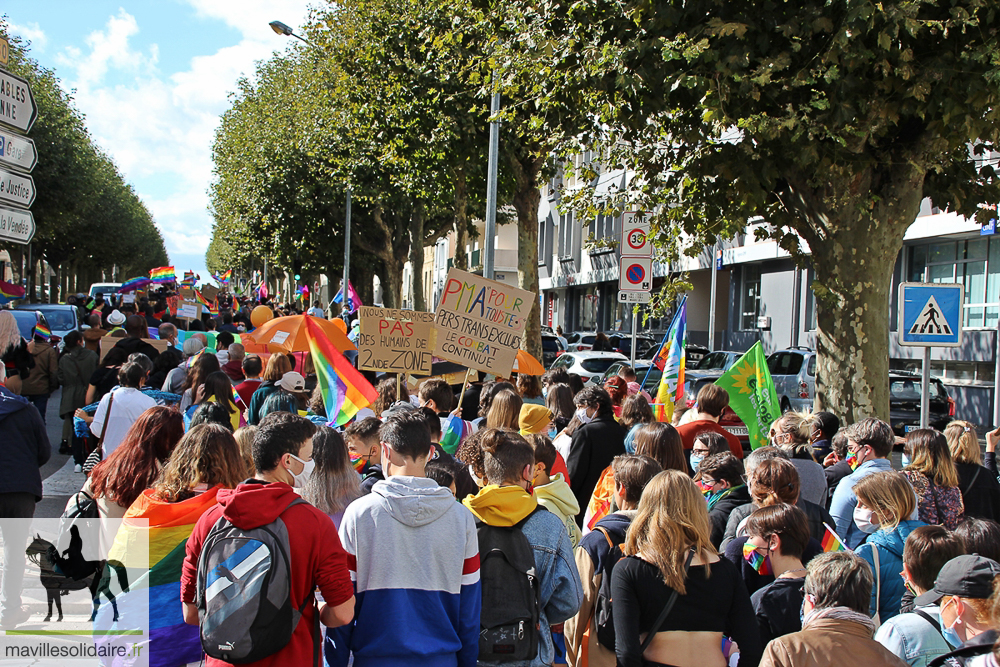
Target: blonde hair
889, 495
930, 456
244, 438
10, 335
207, 454
798, 425
277, 365
963, 442
672, 519
505, 411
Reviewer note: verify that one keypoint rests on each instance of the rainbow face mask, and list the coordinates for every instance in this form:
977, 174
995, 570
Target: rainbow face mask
852, 460
358, 462
762, 564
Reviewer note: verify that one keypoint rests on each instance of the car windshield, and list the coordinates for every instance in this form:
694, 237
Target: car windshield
597, 365
59, 319
909, 389
714, 361
25, 322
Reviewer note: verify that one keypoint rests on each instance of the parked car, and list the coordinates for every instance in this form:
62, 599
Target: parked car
720, 360
590, 366
904, 403
552, 347
27, 318
104, 288
580, 341
793, 371
61, 319
621, 341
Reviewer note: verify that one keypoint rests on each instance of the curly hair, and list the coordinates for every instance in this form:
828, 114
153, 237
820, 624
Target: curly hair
470, 452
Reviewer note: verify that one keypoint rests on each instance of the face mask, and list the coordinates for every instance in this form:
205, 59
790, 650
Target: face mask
358, 462
695, 460
865, 520
545, 392
582, 415
906, 461
553, 432
762, 564
302, 477
949, 633
852, 460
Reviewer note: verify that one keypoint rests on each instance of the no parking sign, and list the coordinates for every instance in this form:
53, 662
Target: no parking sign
636, 274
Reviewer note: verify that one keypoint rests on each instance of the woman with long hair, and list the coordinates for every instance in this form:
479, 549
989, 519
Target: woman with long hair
486, 396
505, 411
617, 389
977, 479
530, 388
277, 366
669, 557
244, 438
206, 364
792, 432
13, 352
217, 388
636, 412
885, 503
159, 523
662, 443
933, 476
334, 483
559, 401
386, 389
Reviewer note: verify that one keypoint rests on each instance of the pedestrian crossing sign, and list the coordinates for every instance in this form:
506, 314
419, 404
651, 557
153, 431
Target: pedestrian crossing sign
930, 314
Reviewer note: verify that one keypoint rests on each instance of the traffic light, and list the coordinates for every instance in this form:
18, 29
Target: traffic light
297, 268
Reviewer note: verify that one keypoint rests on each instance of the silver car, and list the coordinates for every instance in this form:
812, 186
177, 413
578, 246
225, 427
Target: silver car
793, 371
590, 366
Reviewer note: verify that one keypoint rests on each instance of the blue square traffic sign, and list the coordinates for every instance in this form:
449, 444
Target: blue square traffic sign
930, 314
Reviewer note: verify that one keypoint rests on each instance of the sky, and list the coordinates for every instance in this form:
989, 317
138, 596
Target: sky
153, 78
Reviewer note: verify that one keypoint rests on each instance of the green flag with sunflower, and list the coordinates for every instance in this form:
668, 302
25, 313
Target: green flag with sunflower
751, 394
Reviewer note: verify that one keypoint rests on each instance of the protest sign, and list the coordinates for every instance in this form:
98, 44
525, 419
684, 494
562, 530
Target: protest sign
209, 292
187, 293
396, 341
480, 323
189, 310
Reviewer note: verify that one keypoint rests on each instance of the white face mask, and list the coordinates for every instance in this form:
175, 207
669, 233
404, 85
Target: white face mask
865, 520
581, 414
302, 477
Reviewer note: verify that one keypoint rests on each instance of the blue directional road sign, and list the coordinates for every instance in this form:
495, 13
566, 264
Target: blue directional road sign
930, 314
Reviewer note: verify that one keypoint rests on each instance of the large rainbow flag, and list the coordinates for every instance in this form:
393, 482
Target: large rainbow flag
671, 389
167, 527
9, 292
133, 284
163, 274
345, 391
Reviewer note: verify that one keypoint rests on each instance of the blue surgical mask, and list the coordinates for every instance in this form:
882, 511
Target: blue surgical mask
553, 432
695, 460
950, 635
545, 391
906, 460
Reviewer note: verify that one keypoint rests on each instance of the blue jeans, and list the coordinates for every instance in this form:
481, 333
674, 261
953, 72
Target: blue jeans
40, 401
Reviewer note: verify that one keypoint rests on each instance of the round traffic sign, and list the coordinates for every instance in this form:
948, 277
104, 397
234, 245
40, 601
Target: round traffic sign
635, 273
636, 239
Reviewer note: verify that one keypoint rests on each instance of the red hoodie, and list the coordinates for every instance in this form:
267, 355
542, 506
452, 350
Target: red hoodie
317, 558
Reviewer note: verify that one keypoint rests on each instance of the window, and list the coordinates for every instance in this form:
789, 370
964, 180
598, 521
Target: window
784, 363
750, 306
975, 263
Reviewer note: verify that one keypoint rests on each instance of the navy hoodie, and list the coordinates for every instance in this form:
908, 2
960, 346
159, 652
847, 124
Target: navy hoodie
25, 445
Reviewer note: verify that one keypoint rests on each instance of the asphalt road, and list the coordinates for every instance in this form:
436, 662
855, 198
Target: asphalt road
58, 479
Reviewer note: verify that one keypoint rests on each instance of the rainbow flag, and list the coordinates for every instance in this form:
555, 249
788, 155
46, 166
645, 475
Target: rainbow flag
759, 563
345, 391
202, 300
671, 389
189, 279
224, 278
133, 284
43, 331
213, 308
831, 541
164, 274
455, 430
152, 538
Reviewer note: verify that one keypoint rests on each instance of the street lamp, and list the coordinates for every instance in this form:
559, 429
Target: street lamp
282, 29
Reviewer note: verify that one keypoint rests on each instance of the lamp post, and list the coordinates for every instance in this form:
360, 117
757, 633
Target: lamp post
282, 29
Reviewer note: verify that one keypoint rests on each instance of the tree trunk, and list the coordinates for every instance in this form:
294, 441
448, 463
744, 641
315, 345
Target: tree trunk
526, 198
417, 256
461, 260
854, 261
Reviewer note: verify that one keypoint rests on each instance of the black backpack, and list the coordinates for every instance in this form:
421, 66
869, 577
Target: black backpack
508, 626
602, 607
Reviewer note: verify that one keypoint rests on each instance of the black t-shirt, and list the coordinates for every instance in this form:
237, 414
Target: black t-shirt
777, 606
104, 379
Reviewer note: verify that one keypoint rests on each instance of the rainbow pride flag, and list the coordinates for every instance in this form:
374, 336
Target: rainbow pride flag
759, 563
167, 528
202, 300
9, 292
189, 279
831, 541
345, 391
43, 331
133, 284
224, 278
213, 308
671, 389
454, 431
163, 274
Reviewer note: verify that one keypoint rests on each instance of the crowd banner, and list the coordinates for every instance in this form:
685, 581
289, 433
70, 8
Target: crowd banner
480, 323
751, 394
396, 341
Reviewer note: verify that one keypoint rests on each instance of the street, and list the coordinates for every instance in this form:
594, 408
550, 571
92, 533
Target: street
59, 481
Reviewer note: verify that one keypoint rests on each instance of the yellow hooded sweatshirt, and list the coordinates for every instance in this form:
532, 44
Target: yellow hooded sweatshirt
501, 505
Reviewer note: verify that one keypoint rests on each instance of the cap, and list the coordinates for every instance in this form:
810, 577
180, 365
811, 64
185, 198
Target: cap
116, 318
397, 408
292, 381
534, 418
965, 576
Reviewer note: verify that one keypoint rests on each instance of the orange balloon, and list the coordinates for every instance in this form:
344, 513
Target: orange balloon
260, 315
340, 324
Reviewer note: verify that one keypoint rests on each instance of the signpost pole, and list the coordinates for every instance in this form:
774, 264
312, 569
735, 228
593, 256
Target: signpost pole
635, 318
711, 299
996, 383
925, 376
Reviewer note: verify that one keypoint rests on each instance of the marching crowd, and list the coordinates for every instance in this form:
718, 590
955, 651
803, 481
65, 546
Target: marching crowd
525, 521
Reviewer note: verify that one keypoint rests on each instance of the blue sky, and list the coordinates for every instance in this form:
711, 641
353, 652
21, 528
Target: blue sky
152, 78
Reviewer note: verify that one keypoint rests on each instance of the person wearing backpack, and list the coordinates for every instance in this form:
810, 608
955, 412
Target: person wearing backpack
529, 579
415, 561
263, 530
596, 556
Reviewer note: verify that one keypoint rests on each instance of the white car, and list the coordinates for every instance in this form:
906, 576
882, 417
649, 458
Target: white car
590, 366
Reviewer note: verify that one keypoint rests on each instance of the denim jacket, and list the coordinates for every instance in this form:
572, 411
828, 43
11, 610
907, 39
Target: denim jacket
913, 638
844, 501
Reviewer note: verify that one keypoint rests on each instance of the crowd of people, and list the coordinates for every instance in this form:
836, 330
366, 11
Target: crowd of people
525, 521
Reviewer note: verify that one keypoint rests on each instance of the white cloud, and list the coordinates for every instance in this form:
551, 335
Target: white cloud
159, 126
31, 32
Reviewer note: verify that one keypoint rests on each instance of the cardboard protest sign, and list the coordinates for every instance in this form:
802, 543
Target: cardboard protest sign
396, 341
481, 322
209, 292
189, 310
108, 342
187, 293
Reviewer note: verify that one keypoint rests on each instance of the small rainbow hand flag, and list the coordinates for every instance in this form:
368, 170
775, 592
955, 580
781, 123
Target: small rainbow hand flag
163, 274
757, 562
202, 300
455, 431
43, 331
831, 541
9, 292
345, 391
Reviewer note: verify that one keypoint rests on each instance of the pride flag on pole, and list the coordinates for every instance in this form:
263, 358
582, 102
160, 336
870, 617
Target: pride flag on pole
345, 391
831, 541
671, 389
163, 274
353, 300
751, 394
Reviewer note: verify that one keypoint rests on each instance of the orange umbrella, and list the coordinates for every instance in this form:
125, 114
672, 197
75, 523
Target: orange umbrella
288, 334
527, 364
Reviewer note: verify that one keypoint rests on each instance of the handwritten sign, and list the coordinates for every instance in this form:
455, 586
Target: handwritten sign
209, 292
481, 322
396, 341
189, 311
